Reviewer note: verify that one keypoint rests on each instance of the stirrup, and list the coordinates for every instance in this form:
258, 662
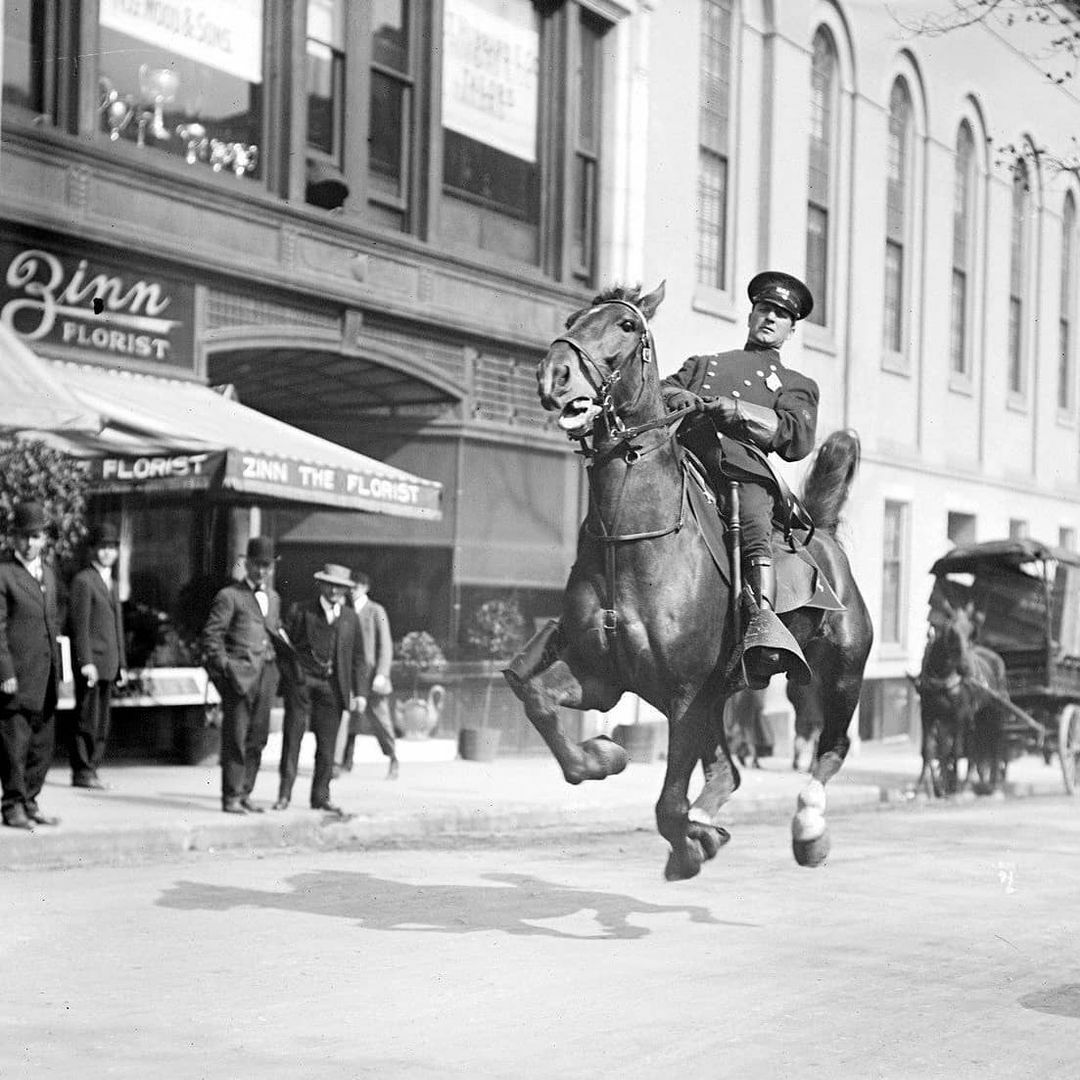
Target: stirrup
767, 633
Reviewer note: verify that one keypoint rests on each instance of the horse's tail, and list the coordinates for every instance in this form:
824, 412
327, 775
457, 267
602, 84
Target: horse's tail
826, 487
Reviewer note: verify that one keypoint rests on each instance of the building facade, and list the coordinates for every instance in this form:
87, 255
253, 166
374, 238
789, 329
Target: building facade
908, 179
369, 218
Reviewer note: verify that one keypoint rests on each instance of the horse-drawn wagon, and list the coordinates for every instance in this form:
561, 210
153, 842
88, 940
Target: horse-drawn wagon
1024, 598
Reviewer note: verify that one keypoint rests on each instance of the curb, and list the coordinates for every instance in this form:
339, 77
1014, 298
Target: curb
110, 847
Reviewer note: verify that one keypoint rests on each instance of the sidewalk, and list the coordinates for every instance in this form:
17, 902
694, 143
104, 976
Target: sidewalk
159, 811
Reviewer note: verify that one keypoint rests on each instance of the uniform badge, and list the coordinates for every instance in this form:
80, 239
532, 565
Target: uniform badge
773, 382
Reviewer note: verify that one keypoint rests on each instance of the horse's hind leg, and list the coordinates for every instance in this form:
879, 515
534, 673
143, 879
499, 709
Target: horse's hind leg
544, 693
838, 667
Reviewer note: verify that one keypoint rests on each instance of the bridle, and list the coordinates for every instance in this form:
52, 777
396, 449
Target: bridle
602, 386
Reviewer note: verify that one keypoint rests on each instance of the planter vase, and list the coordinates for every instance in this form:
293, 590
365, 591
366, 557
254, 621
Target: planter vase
417, 717
478, 744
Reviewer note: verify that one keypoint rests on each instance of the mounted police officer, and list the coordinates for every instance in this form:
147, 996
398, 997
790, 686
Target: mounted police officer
751, 406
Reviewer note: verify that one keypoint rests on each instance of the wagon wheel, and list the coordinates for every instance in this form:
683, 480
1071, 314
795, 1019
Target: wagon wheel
1069, 747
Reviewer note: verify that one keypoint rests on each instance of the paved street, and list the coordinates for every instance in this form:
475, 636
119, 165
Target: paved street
935, 943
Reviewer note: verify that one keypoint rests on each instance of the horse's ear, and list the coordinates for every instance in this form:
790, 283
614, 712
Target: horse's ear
651, 301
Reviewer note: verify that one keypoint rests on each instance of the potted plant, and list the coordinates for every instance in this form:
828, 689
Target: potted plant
419, 653
496, 631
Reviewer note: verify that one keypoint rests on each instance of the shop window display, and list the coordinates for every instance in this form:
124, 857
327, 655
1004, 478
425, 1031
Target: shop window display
186, 81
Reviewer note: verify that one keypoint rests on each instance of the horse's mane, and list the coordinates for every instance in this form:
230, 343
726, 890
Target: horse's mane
616, 292
826, 487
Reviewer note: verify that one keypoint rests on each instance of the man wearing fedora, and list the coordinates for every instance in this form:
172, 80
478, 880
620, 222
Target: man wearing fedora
751, 405
329, 668
30, 670
97, 645
240, 640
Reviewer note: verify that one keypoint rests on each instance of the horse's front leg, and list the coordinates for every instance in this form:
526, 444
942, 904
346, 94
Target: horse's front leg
692, 833
544, 692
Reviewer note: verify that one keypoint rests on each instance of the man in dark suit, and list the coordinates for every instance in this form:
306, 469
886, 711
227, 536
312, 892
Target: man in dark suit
29, 669
329, 666
97, 645
378, 655
754, 406
240, 639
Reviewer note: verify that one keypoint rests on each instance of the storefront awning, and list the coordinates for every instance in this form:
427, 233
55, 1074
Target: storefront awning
172, 435
34, 398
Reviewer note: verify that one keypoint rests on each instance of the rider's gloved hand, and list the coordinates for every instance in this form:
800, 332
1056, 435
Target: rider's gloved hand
723, 411
682, 399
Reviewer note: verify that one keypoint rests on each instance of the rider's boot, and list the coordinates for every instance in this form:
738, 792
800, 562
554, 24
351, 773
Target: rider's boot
538, 653
768, 645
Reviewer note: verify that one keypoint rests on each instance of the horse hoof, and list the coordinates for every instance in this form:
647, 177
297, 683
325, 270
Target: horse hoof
608, 755
680, 870
811, 852
711, 839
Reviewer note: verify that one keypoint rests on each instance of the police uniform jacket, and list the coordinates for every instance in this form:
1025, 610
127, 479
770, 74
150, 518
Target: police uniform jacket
29, 624
238, 640
756, 376
97, 624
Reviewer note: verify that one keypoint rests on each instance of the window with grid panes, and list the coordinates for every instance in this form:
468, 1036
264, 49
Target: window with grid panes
583, 183
326, 78
1066, 379
713, 150
391, 105
822, 140
1018, 246
894, 545
963, 195
896, 196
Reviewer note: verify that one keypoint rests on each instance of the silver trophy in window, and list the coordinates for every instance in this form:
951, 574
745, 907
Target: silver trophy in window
157, 88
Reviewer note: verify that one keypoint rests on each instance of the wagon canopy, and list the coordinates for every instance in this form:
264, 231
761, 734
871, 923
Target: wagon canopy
1027, 592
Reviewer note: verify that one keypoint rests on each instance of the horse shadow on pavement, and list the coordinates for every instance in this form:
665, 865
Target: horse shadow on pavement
512, 903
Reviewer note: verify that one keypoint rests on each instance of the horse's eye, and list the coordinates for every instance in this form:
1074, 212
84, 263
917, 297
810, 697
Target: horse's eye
628, 325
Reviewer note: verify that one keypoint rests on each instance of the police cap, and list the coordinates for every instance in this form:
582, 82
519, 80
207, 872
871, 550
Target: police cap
783, 290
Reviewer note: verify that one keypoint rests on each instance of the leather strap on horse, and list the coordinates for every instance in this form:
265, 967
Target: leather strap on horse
609, 538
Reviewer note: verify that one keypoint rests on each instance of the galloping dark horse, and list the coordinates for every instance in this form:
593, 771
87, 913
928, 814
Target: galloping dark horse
959, 718
647, 608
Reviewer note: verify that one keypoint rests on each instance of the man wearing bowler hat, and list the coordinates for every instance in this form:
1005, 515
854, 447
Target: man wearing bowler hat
30, 669
97, 645
751, 405
240, 639
329, 668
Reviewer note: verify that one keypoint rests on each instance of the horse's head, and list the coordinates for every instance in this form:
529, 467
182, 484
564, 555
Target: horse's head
954, 633
603, 367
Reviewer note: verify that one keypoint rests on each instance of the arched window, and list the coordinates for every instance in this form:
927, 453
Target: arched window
1066, 380
898, 186
1018, 248
714, 142
963, 206
823, 115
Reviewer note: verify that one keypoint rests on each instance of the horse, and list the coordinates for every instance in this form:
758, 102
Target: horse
959, 718
647, 606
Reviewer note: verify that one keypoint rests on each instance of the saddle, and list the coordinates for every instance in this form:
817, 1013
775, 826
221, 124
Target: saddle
800, 582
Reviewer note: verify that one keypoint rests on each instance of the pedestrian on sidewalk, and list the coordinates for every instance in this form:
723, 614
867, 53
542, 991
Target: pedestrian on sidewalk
379, 654
240, 642
324, 635
30, 669
96, 623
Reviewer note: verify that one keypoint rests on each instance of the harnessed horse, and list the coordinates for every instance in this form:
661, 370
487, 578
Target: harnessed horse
648, 603
959, 719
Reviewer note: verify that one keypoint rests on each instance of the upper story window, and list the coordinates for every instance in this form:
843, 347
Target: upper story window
898, 186
1018, 250
391, 110
714, 142
326, 78
823, 118
962, 245
893, 583
187, 81
1066, 380
37, 54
